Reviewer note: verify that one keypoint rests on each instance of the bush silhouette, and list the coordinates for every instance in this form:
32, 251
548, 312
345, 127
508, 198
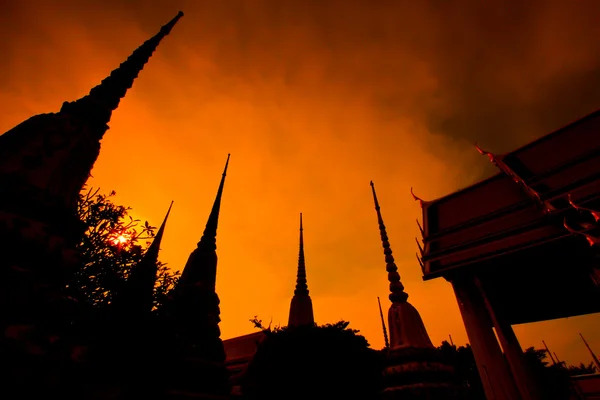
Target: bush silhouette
329, 361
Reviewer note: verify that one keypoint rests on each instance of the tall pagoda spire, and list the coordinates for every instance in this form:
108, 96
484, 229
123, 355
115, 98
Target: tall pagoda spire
301, 310
55, 153
104, 98
410, 352
137, 295
193, 314
201, 267
44, 163
301, 284
405, 323
397, 295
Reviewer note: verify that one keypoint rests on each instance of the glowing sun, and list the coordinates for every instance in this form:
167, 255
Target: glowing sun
120, 239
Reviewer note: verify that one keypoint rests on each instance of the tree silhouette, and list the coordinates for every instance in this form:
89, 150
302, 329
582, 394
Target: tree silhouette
112, 243
328, 361
582, 369
554, 379
465, 369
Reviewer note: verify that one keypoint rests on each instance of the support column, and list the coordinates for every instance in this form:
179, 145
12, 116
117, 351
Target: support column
495, 375
595, 275
526, 382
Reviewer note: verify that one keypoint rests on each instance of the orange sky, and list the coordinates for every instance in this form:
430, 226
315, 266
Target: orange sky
312, 99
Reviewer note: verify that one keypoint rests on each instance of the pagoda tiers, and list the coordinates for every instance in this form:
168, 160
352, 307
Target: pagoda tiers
520, 247
414, 368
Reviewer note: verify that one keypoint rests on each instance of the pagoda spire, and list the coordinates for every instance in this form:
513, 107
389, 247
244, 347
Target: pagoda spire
397, 293
405, 323
193, 316
201, 267
414, 367
104, 98
138, 291
301, 284
301, 309
53, 154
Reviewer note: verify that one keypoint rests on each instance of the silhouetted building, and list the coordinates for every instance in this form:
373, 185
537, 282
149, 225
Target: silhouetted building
44, 163
414, 367
301, 309
239, 352
241, 349
192, 313
136, 297
504, 241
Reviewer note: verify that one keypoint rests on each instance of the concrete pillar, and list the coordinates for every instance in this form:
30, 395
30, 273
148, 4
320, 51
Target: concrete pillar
595, 275
526, 382
495, 375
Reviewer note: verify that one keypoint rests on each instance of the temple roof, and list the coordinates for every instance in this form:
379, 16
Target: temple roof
534, 155
242, 346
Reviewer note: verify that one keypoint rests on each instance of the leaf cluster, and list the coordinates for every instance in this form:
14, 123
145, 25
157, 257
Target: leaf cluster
112, 243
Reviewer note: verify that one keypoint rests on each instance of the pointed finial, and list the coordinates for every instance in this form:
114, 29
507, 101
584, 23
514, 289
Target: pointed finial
301, 283
397, 295
153, 250
210, 232
414, 196
385, 335
161, 230
103, 99
201, 267
138, 291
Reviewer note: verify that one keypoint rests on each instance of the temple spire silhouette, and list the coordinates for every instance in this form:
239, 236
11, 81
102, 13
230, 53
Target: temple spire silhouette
201, 267
411, 358
404, 322
397, 293
55, 153
104, 98
193, 314
301, 309
44, 163
137, 295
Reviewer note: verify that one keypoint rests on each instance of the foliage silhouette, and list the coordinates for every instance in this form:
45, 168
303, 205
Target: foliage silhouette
328, 361
112, 243
582, 369
465, 369
554, 379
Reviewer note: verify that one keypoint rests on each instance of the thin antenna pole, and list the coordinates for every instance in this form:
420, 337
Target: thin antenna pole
385, 335
549, 353
557, 360
451, 342
596, 361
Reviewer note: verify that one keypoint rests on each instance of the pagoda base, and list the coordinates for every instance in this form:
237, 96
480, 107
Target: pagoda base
417, 373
